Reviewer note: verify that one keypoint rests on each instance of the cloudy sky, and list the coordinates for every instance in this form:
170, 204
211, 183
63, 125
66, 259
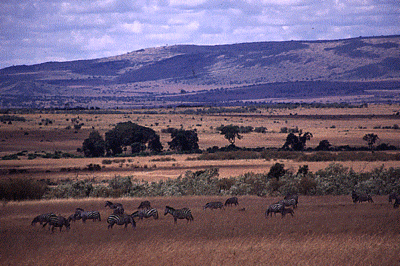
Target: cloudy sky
37, 31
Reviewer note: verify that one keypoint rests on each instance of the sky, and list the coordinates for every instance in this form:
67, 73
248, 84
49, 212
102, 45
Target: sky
38, 31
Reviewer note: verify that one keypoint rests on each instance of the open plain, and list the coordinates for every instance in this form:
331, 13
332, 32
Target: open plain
325, 230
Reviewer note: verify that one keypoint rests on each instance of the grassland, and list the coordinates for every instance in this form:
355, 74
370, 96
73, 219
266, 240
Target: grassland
326, 230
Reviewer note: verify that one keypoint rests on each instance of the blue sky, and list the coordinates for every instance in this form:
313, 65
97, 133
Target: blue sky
37, 31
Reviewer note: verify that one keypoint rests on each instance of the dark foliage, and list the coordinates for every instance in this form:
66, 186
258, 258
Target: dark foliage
184, 140
94, 146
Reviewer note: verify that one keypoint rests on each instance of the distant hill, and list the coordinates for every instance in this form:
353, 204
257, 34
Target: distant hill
353, 70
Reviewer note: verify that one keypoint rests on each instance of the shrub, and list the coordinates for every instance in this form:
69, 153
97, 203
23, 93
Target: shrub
22, 189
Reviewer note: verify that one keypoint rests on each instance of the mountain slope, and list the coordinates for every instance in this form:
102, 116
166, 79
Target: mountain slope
363, 67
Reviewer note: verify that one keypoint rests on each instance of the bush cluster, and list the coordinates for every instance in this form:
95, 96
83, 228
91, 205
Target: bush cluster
333, 180
22, 189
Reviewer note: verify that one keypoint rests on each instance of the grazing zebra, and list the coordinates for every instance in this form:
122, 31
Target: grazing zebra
43, 218
58, 221
231, 201
361, 197
184, 213
292, 196
274, 208
117, 207
146, 214
289, 202
144, 205
120, 220
214, 205
81, 214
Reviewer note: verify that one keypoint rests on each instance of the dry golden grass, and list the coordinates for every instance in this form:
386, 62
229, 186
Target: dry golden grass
325, 230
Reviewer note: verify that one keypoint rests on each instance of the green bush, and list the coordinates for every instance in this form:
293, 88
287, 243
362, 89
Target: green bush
22, 189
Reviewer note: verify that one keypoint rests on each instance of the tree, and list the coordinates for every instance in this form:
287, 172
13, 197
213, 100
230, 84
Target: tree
184, 140
277, 171
297, 143
94, 146
323, 145
231, 132
370, 138
130, 134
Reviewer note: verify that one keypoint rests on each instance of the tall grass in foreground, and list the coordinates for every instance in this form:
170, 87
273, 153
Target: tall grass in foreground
326, 230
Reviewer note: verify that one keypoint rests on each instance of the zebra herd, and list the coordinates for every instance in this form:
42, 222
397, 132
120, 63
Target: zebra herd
144, 210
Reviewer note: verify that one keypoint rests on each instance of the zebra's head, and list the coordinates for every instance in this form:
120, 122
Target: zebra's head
168, 209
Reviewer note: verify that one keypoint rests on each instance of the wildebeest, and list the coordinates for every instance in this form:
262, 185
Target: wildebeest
230, 201
214, 205
286, 211
396, 198
361, 197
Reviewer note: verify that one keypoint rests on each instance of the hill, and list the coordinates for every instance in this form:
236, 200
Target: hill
364, 69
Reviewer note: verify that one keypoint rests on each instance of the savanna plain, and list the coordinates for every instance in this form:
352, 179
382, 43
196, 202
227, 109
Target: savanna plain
325, 230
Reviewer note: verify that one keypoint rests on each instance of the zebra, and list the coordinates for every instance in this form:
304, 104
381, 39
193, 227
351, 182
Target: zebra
231, 201
146, 214
73, 217
214, 205
361, 197
144, 205
184, 213
289, 202
120, 220
275, 208
58, 221
117, 207
81, 214
43, 218
292, 196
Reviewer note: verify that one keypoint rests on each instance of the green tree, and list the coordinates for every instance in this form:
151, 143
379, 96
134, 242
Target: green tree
370, 138
184, 140
94, 145
297, 143
277, 171
323, 145
230, 132
130, 134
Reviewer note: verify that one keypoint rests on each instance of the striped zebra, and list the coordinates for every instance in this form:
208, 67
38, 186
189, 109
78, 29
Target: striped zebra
58, 221
120, 219
43, 219
117, 207
146, 214
184, 213
230, 201
85, 215
145, 205
214, 205
292, 196
73, 218
274, 208
289, 202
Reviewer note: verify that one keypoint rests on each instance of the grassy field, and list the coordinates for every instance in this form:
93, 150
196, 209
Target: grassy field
326, 230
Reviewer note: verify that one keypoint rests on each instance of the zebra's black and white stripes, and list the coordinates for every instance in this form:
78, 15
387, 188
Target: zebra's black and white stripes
120, 219
184, 213
147, 213
43, 219
58, 221
289, 202
274, 208
85, 215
